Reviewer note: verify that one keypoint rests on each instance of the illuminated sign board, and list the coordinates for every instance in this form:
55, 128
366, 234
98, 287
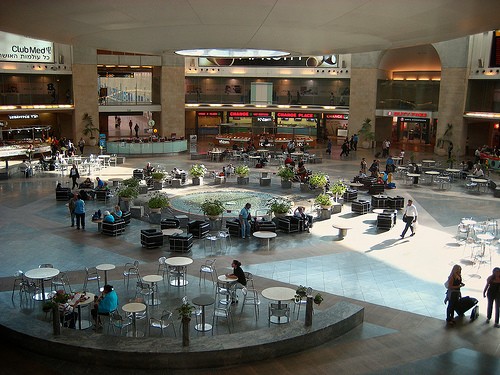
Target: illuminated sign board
295, 115
249, 114
18, 48
413, 119
337, 116
23, 117
208, 114
328, 61
407, 114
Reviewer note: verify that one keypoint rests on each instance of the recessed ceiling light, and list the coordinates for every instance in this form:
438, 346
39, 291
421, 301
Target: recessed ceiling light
231, 53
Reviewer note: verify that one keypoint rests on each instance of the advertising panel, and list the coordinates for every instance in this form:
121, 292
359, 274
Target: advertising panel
21, 49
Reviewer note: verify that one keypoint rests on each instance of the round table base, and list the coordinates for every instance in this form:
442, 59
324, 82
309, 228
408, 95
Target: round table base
178, 282
278, 320
203, 328
154, 302
39, 296
135, 334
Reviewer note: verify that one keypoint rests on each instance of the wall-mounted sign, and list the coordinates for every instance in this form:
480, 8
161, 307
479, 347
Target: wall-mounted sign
208, 114
249, 114
24, 116
336, 116
19, 48
296, 115
330, 61
264, 119
407, 114
413, 119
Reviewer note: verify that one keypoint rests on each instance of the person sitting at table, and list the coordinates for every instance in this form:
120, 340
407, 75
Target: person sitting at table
148, 170
242, 280
67, 310
289, 161
100, 183
87, 184
301, 214
478, 171
301, 172
104, 305
360, 176
108, 218
117, 213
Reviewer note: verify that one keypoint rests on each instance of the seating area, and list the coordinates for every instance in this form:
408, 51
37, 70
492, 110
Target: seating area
151, 238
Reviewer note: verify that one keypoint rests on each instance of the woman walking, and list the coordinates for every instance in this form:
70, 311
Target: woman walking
492, 292
453, 295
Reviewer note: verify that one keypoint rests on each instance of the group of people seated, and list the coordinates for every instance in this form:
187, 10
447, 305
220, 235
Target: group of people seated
111, 217
469, 168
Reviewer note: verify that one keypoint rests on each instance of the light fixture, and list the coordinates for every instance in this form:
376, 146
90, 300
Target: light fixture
231, 53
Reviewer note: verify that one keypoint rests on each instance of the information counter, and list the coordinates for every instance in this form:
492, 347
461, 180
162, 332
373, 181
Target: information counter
125, 148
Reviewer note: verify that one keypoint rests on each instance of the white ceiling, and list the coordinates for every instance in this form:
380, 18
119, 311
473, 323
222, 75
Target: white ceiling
302, 27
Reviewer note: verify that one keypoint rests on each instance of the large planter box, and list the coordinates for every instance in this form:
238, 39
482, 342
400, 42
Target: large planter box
286, 184
197, 180
157, 185
325, 214
243, 180
336, 208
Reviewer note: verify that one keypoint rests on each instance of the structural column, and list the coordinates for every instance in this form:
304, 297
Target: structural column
172, 96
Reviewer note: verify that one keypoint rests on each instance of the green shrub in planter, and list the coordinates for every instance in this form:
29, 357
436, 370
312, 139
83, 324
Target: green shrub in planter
323, 200
318, 180
198, 170
158, 176
212, 207
279, 205
158, 200
242, 170
286, 173
128, 192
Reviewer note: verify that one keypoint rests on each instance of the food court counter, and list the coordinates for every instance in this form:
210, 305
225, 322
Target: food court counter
125, 148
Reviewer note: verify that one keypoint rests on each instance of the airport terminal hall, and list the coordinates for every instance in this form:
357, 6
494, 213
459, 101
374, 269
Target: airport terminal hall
271, 187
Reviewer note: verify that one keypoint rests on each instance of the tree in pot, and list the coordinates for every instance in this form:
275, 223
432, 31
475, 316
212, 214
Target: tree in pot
185, 311
279, 206
242, 172
126, 194
157, 201
197, 172
366, 133
338, 188
287, 174
158, 176
323, 200
318, 180
89, 129
212, 208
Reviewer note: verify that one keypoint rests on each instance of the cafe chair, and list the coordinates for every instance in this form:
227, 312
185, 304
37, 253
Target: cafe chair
151, 238
25, 287
223, 311
131, 269
251, 297
143, 290
278, 311
162, 323
162, 266
116, 322
169, 223
60, 281
224, 234
249, 278
208, 269
298, 302
176, 273
91, 274
196, 312
223, 293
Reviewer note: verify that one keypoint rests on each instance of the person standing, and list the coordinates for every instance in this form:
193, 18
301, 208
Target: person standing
453, 284
80, 213
450, 149
492, 292
355, 143
81, 145
74, 175
409, 217
245, 221
130, 125
71, 207
136, 128
363, 165
329, 147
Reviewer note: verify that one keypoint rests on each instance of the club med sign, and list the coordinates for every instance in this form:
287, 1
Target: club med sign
20, 49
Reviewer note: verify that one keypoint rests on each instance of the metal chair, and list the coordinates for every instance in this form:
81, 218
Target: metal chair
208, 268
91, 274
251, 297
279, 311
196, 312
224, 234
131, 269
144, 290
249, 278
60, 281
162, 266
223, 311
163, 322
116, 321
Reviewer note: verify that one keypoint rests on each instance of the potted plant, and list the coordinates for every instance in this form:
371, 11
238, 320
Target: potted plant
279, 206
338, 188
197, 172
300, 293
185, 311
133, 182
158, 180
287, 175
89, 129
366, 134
128, 192
318, 180
323, 200
242, 172
157, 201
318, 298
212, 208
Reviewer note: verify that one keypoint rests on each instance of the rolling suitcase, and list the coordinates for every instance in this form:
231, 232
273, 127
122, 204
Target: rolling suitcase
464, 304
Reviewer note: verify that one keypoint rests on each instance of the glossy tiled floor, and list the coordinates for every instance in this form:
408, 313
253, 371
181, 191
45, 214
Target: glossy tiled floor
378, 269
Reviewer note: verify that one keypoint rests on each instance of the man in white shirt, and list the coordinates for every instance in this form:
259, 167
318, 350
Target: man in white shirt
409, 217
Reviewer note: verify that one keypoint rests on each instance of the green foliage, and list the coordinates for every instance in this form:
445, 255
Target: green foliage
88, 126
318, 298
158, 200
366, 130
301, 291
128, 192
133, 182
242, 170
323, 200
318, 180
279, 205
212, 207
338, 188
198, 170
158, 176
286, 173
185, 311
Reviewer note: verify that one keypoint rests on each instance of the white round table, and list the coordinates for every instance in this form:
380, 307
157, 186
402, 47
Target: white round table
134, 308
178, 262
264, 235
229, 283
41, 274
105, 267
429, 162
153, 279
279, 294
84, 323
432, 174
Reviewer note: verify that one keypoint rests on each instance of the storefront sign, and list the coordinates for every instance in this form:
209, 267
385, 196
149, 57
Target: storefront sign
18, 48
406, 114
208, 114
336, 116
295, 115
328, 61
24, 117
249, 114
264, 119
413, 119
